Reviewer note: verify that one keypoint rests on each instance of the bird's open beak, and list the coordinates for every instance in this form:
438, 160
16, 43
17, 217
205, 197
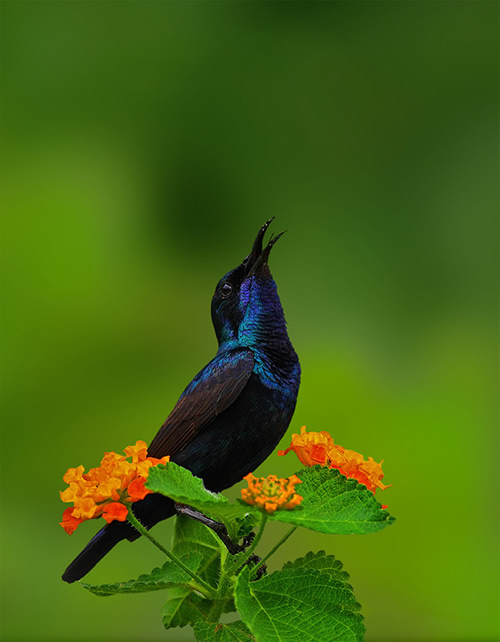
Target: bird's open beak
258, 257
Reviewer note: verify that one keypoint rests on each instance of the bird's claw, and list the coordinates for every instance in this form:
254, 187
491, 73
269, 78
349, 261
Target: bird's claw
247, 540
254, 560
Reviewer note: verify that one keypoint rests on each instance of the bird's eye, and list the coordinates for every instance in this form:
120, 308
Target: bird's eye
225, 290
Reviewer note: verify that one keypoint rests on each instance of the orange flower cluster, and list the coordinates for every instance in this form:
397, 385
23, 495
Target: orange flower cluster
318, 448
271, 493
108, 490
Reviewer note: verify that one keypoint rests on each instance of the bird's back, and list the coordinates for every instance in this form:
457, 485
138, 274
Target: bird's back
238, 440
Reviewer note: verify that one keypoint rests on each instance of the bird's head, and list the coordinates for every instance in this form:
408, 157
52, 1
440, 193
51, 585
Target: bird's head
246, 298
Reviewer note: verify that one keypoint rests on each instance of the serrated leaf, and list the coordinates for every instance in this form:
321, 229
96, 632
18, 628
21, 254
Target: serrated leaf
233, 632
190, 535
184, 607
183, 487
168, 576
299, 605
322, 562
189, 532
334, 504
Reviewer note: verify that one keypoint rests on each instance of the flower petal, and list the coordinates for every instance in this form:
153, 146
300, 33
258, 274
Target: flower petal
115, 511
70, 523
137, 490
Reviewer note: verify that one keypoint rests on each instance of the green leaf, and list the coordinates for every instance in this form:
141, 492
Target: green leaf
183, 606
184, 488
181, 485
190, 535
334, 504
168, 576
229, 606
322, 562
299, 605
233, 632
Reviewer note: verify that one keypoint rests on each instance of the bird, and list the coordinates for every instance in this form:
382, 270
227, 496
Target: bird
234, 412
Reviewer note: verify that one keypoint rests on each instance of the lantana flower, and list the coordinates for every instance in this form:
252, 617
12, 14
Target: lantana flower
108, 490
271, 493
319, 448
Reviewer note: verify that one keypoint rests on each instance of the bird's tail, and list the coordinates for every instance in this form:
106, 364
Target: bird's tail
97, 548
149, 511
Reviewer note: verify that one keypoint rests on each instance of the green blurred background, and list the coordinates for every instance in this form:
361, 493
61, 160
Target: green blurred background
144, 144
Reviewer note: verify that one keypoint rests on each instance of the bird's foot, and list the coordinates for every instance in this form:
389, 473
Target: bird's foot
247, 540
254, 560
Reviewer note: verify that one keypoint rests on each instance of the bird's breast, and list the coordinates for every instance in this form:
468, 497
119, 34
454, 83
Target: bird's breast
274, 375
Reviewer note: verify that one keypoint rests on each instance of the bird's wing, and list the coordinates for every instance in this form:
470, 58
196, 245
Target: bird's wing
213, 390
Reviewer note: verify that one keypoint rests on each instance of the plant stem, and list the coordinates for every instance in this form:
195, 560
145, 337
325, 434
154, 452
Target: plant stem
225, 583
217, 607
199, 584
274, 549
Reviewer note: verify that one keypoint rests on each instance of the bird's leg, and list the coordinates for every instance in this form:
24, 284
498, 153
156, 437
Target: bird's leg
218, 528
221, 531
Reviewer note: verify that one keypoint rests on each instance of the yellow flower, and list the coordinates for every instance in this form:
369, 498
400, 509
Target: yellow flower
109, 489
271, 493
319, 448
70, 523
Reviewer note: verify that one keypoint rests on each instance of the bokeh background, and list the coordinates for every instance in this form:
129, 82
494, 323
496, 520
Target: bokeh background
144, 144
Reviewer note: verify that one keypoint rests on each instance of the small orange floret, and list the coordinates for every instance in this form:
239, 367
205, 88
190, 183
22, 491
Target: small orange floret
319, 448
271, 493
85, 508
109, 489
137, 489
73, 475
310, 447
70, 523
115, 510
139, 452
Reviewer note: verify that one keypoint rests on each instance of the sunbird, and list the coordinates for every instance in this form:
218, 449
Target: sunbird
234, 412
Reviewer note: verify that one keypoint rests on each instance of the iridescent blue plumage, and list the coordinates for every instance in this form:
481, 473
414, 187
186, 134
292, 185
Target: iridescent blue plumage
234, 412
